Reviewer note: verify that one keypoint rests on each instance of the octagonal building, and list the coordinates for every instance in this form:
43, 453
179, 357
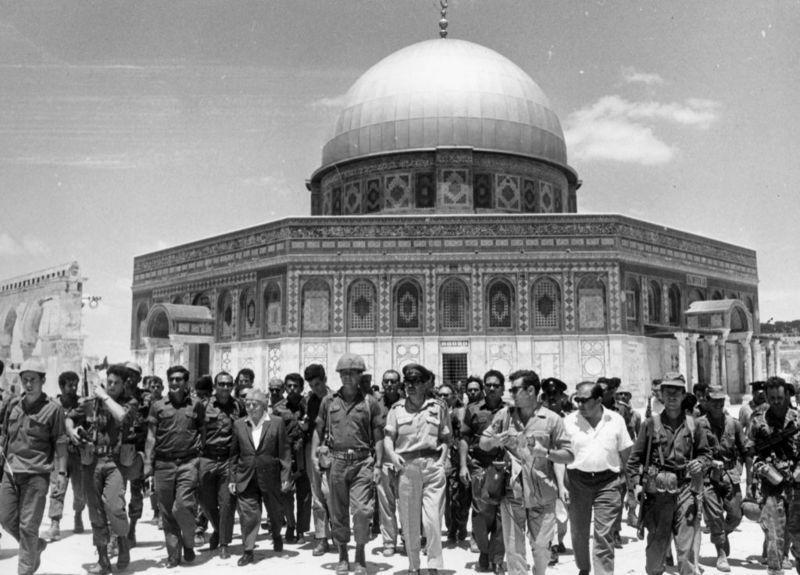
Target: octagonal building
444, 230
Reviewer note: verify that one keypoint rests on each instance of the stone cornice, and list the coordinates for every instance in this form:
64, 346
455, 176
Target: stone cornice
355, 239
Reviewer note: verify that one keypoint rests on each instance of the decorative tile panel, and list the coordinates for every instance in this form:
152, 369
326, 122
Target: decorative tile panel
529, 196
352, 198
453, 188
507, 193
425, 190
568, 281
397, 191
407, 352
430, 300
476, 297
384, 304
315, 353
613, 297
482, 191
336, 201
546, 200
338, 303
292, 302
274, 361
501, 356
522, 291
593, 358
373, 200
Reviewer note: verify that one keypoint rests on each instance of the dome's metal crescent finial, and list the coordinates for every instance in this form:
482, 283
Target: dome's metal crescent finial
443, 22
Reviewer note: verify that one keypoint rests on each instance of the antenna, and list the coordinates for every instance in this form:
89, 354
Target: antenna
443, 22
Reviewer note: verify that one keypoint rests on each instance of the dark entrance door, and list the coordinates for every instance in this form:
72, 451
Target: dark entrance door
454, 367
203, 359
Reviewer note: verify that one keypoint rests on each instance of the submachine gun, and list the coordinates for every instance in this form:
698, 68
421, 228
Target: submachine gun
778, 460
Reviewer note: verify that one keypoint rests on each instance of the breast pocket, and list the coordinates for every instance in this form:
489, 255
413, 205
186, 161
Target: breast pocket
433, 422
39, 430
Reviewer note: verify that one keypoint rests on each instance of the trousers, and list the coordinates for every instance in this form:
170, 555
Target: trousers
104, 487
74, 472
458, 499
487, 527
387, 505
350, 491
259, 491
722, 511
597, 494
319, 497
22, 503
420, 487
668, 517
176, 485
540, 523
215, 499
298, 520
780, 520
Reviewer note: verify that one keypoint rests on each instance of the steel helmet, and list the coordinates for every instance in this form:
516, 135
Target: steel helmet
351, 361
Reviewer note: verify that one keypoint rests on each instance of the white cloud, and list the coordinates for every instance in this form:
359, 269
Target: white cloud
617, 129
633, 76
8, 245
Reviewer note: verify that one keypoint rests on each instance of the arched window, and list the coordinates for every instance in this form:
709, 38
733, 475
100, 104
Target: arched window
225, 315
674, 305
361, 306
178, 299
500, 304
654, 302
159, 326
696, 295
717, 295
316, 305
10, 321
546, 309
247, 312
204, 299
408, 305
591, 303
632, 303
739, 320
454, 306
273, 310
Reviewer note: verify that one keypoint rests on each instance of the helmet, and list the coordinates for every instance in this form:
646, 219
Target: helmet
351, 361
751, 510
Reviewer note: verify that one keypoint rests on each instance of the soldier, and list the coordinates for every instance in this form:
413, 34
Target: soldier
99, 425
216, 500
634, 424
34, 442
203, 390
154, 385
749, 409
722, 496
474, 389
317, 380
244, 381
292, 409
774, 446
174, 432
667, 464
458, 497
417, 437
534, 440
353, 425
133, 442
474, 461
387, 484
68, 398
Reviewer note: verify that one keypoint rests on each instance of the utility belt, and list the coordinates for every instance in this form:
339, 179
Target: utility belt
217, 454
350, 454
664, 481
417, 453
90, 452
176, 458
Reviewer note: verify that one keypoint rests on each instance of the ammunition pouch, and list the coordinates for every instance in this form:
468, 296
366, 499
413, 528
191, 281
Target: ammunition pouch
324, 457
657, 482
87, 453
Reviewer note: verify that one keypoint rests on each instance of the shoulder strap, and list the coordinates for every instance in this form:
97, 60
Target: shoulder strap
657, 429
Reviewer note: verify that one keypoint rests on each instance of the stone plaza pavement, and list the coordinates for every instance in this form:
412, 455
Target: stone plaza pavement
73, 553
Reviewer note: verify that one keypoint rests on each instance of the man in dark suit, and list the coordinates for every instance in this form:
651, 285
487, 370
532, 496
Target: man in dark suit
260, 469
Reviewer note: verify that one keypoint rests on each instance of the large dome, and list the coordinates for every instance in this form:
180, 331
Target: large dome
446, 93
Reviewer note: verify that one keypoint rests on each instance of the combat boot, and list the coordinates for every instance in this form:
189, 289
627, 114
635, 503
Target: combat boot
103, 565
343, 567
54, 533
361, 561
124, 553
78, 524
722, 561
132, 533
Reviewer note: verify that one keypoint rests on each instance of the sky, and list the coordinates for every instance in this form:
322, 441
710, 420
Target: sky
127, 127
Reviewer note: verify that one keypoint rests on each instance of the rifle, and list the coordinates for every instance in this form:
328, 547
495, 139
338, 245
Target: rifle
649, 430
775, 439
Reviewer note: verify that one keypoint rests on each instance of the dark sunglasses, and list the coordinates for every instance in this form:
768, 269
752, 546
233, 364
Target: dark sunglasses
492, 385
581, 400
225, 384
376, 388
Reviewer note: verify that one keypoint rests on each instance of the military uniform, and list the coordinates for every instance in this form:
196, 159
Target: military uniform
292, 415
215, 499
458, 497
74, 468
416, 435
132, 464
104, 484
318, 481
388, 498
177, 429
780, 505
662, 451
350, 428
722, 494
31, 435
487, 527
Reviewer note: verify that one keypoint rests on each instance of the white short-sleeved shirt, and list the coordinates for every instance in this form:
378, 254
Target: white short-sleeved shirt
597, 449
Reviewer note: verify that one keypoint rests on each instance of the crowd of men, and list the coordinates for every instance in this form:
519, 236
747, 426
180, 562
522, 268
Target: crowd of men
504, 460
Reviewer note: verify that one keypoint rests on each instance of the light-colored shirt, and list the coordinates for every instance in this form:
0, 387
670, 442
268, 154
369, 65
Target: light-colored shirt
597, 448
257, 428
418, 430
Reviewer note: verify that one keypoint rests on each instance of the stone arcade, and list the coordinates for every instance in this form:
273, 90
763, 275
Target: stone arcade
444, 230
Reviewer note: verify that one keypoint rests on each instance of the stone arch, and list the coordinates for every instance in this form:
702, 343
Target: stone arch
695, 295
633, 303
158, 325
316, 305
141, 316
675, 309
248, 311
225, 326
273, 308
203, 298
592, 305
653, 302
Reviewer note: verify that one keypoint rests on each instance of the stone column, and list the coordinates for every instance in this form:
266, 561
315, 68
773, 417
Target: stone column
692, 369
235, 305
683, 365
713, 378
723, 362
776, 346
755, 353
748, 358
769, 359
